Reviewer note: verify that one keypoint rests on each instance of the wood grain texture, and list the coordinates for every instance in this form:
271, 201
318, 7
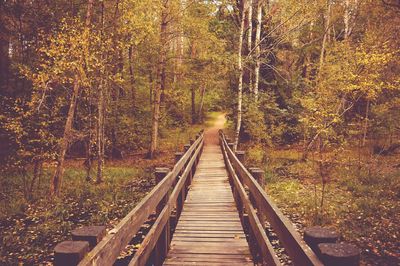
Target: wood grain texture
209, 231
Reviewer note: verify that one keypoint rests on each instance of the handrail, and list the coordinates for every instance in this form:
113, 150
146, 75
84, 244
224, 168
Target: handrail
265, 247
108, 250
143, 253
297, 249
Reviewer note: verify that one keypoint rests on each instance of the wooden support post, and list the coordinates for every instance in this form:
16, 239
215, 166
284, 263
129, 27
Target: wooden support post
240, 156
92, 234
316, 235
342, 254
178, 156
181, 202
162, 245
160, 173
70, 253
186, 147
239, 205
258, 175
230, 145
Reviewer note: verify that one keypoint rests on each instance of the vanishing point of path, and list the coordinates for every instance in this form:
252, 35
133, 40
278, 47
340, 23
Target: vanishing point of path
209, 231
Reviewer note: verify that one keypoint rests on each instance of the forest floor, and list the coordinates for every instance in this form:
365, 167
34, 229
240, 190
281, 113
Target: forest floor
361, 199
30, 229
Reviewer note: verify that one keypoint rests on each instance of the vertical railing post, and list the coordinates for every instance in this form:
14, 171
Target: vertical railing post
178, 156
70, 253
258, 175
162, 245
92, 234
240, 156
186, 147
230, 145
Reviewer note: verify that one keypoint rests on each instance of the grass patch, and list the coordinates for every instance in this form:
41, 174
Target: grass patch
361, 198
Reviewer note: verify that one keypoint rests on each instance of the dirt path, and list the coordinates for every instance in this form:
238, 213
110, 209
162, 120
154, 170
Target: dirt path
211, 133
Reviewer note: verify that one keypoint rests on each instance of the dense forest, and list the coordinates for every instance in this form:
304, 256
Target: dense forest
95, 94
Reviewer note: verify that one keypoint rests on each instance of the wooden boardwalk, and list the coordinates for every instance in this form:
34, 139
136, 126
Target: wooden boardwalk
209, 231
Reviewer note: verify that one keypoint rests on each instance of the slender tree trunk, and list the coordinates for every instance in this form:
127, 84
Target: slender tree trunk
89, 12
350, 11
249, 40
36, 172
132, 76
258, 48
308, 60
162, 79
101, 111
193, 105
346, 19
366, 124
200, 111
56, 180
100, 135
325, 38
193, 85
240, 83
4, 59
88, 162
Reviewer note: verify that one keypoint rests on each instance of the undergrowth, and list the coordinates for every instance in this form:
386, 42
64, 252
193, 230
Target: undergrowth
361, 199
31, 227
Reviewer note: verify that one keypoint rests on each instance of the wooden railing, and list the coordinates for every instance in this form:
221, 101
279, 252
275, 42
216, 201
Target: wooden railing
168, 194
254, 206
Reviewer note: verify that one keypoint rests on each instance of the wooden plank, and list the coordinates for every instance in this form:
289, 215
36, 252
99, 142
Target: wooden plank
209, 231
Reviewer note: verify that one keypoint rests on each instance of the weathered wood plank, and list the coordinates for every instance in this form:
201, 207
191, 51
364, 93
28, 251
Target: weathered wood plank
209, 231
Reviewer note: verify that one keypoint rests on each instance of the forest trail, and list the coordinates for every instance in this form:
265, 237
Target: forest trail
211, 133
209, 230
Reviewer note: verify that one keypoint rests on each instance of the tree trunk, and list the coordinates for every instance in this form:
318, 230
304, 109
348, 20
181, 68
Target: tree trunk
249, 40
240, 83
132, 76
325, 38
193, 104
350, 11
4, 59
161, 86
200, 111
258, 48
101, 110
89, 13
366, 124
346, 19
193, 86
38, 164
56, 180
100, 135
